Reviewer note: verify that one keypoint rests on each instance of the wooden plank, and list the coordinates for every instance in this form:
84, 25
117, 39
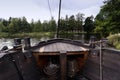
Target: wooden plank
42, 49
51, 47
83, 49
57, 53
69, 48
61, 46
46, 48
56, 47
65, 46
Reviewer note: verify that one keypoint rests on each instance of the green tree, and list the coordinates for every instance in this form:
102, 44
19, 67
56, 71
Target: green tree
89, 24
32, 25
108, 21
25, 26
62, 25
45, 26
52, 25
37, 26
13, 26
1, 27
79, 21
66, 23
5, 22
101, 24
71, 23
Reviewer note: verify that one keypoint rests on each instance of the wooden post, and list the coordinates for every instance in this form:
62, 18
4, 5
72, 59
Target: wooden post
92, 40
17, 44
27, 43
101, 68
63, 64
17, 41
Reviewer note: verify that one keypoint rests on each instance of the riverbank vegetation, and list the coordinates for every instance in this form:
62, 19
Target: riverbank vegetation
20, 27
114, 40
31, 35
106, 22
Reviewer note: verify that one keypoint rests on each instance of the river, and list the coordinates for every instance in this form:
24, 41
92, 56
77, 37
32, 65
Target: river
10, 42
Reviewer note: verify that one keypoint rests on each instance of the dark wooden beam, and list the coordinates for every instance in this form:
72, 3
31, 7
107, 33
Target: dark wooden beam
63, 64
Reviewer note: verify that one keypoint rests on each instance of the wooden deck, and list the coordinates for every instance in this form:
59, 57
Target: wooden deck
59, 46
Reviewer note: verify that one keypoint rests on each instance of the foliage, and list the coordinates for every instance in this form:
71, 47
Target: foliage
32, 35
89, 24
79, 21
1, 26
72, 23
108, 21
20, 27
114, 40
37, 26
52, 25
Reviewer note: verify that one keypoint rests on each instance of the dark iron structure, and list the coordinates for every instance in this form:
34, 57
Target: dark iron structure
28, 63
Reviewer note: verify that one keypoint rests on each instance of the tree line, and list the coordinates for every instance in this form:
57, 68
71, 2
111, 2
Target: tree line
21, 25
108, 19
105, 23
72, 23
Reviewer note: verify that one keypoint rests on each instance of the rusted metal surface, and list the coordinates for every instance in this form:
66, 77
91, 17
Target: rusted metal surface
110, 65
8, 71
15, 66
72, 68
51, 70
24, 67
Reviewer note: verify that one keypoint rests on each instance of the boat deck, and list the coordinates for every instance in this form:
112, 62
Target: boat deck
69, 54
60, 46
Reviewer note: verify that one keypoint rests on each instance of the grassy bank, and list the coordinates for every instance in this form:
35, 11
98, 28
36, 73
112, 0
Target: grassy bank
32, 35
115, 40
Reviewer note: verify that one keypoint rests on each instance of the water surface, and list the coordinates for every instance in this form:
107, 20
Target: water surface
10, 42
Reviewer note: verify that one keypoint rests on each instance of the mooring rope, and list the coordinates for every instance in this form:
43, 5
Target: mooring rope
50, 8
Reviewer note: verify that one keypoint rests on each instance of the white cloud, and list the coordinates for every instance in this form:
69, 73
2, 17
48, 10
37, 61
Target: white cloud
93, 10
38, 9
72, 7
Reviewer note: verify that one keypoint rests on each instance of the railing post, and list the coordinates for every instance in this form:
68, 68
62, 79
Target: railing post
63, 64
27, 43
101, 61
17, 44
92, 40
17, 41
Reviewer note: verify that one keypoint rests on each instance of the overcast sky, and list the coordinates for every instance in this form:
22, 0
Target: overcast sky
38, 9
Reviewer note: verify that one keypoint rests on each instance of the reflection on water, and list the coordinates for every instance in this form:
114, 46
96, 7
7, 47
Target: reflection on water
10, 42
6, 42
